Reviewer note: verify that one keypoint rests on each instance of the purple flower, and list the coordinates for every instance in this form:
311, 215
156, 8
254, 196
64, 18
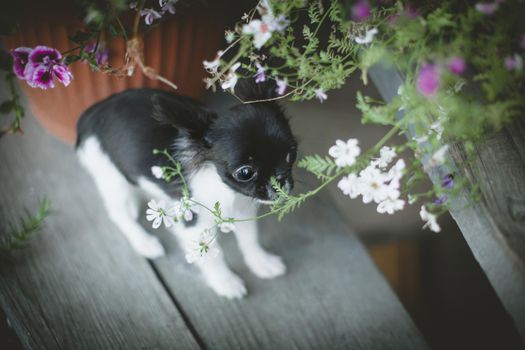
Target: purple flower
102, 53
20, 59
281, 86
321, 95
150, 15
259, 76
440, 200
43, 65
167, 5
428, 80
360, 11
280, 23
487, 8
514, 62
447, 181
457, 65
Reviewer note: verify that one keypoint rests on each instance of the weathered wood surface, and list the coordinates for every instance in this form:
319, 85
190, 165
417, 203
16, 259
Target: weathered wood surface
494, 228
79, 285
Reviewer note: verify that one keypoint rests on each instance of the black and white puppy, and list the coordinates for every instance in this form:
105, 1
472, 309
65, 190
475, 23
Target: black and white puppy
227, 157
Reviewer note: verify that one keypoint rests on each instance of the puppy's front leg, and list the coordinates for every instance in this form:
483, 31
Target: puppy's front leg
215, 271
260, 262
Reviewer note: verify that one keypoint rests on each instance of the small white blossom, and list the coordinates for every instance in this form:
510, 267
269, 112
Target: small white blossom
158, 212
260, 30
321, 95
231, 79
438, 158
183, 209
203, 248
397, 170
350, 185
345, 153
368, 37
430, 220
157, 172
373, 186
390, 206
229, 35
226, 227
213, 66
386, 154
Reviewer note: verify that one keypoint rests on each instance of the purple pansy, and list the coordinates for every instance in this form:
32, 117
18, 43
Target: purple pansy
281, 86
457, 65
150, 15
428, 80
102, 53
260, 76
40, 66
360, 11
20, 59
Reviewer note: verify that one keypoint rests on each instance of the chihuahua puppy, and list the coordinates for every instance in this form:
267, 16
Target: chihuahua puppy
227, 157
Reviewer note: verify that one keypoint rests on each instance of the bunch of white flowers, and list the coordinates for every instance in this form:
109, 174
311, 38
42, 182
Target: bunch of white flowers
160, 212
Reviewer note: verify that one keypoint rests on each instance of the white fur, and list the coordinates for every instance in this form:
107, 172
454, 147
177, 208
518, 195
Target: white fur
122, 201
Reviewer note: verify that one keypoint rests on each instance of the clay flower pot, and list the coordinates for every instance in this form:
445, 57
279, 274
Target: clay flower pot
175, 49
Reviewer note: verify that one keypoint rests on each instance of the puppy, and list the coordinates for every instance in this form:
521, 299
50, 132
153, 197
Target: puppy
227, 157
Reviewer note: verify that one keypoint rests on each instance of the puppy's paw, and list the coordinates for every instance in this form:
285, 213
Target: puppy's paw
149, 247
227, 285
266, 265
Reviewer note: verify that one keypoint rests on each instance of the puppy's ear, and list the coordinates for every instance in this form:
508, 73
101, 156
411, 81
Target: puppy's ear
182, 113
249, 90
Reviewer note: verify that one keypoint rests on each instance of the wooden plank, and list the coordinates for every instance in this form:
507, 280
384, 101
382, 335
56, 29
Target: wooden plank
78, 285
332, 297
495, 227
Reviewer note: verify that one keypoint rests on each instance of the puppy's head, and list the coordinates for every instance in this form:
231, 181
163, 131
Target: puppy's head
252, 143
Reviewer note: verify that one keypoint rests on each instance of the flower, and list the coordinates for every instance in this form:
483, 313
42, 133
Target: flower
157, 172
260, 76
430, 219
231, 78
150, 15
457, 65
373, 185
158, 212
213, 66
167, 6
387, 154
321, 95
514, 62
487, 8
101, 54
438, 158
43, 65
345, 153
20, 59
182, 209
260, 30
229, 35
281, 86
428, 80
203, 248
447, 181
350, 185
360, 11
440, 200
280, 23
368, 37
396, 171
390, 206
226, 227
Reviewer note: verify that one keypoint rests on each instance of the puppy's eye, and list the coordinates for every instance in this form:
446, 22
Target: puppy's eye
244, 173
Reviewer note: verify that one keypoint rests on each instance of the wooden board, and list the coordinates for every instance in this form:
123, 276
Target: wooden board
78, 285
494, 228
332, 297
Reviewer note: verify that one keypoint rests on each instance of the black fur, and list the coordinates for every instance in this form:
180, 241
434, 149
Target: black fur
129, 125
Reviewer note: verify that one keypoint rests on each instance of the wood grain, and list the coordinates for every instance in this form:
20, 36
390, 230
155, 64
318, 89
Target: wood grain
78, 285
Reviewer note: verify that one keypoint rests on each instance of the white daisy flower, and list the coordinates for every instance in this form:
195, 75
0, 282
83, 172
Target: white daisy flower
157, 172
226, 227
386, 154
430, 220
231, 79
158, 212
203, 248
350, 185
368, 37
345, 153
390, 206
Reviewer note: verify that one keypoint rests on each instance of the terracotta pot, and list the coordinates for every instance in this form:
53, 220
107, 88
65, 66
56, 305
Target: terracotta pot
175, 49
